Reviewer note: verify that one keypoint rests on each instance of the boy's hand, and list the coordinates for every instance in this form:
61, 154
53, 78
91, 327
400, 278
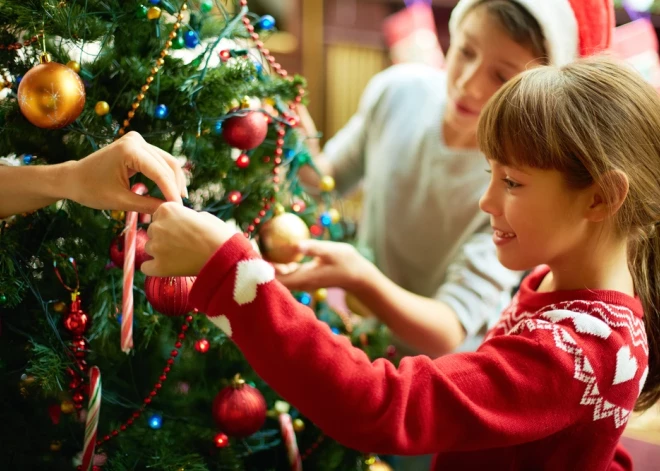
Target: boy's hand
181, 240
334, 265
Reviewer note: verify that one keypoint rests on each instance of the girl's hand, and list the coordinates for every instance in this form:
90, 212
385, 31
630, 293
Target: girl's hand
182, 240
334, 265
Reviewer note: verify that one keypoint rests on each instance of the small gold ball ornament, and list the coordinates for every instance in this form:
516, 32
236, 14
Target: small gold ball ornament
74, 65
298, 425
279, 238
320, 295
117, 215
59, 307
51, 95
327, 183
153, 13
67, 407
55, 445
102, 108
335, 216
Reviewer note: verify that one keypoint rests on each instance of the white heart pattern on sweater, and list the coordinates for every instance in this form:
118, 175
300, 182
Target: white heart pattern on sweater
626, 366
249, 275
223, 323
584, 323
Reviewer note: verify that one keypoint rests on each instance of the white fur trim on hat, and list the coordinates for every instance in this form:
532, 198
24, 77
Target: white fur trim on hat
555, 17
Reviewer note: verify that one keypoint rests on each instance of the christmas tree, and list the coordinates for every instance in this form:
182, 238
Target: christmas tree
91, 377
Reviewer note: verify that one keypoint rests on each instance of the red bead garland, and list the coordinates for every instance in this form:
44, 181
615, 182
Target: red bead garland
159, 384
281, 131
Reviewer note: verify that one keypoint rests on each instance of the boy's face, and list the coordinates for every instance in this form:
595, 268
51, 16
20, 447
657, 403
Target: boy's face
482, 57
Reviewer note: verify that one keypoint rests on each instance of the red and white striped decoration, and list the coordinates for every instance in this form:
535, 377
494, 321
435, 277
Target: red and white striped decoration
289, 437
129, 273
92, 421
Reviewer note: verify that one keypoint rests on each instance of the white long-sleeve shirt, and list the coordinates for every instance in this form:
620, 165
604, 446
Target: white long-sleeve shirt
421, 215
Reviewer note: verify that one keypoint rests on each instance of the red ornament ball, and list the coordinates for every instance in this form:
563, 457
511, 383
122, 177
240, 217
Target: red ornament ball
202, 345
169, 295
235, 196
221, 440
76, 322
243, 161
245, 131
117, 250
239, 410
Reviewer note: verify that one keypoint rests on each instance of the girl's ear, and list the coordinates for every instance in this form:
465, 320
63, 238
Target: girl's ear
608, 194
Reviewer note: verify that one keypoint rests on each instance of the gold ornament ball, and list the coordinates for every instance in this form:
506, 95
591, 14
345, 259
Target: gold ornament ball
279, 238
298, 425
59, 307
117, 215
102, 108
51, 95
55, 445
334, 215
327, 183
67, 407
74, 65
320, 294
153, 13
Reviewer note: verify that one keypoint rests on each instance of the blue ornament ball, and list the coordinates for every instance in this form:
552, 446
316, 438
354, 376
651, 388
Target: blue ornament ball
161, 112
27, 158
266, 22
191, 39
325, 219
156, 421
305, 298
154, 2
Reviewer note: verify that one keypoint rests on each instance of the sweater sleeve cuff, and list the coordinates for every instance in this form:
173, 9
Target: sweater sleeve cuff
217, 268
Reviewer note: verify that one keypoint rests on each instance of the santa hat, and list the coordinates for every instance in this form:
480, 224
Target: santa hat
572, 28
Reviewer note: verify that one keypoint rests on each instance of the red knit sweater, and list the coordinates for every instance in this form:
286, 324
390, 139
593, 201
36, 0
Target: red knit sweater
550, 388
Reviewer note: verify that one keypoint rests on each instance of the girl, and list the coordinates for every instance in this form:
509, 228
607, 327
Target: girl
574, 157
413, 144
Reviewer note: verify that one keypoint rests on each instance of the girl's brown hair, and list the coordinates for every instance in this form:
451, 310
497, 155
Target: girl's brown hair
521, 26
585, 120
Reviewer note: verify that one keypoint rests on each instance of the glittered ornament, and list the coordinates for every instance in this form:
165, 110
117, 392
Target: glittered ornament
169, 295
117, 249
279, 238
51, 95
239, 410
245, 131
76, 321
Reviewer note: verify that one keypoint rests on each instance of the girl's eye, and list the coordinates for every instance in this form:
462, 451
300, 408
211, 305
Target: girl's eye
510, 184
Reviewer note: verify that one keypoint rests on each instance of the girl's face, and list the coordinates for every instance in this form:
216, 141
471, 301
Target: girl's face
482, 57
536, 217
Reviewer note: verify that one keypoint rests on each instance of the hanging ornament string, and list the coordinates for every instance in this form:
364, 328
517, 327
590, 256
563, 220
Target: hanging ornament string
154, 70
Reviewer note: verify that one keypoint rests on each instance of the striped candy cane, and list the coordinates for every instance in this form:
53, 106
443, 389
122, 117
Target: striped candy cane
129, 273
92, 421
289, 437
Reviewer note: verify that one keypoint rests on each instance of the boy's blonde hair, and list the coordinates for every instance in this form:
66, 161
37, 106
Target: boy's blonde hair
586, 119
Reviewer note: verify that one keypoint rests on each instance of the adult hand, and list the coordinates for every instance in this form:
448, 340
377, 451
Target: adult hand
101, 180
